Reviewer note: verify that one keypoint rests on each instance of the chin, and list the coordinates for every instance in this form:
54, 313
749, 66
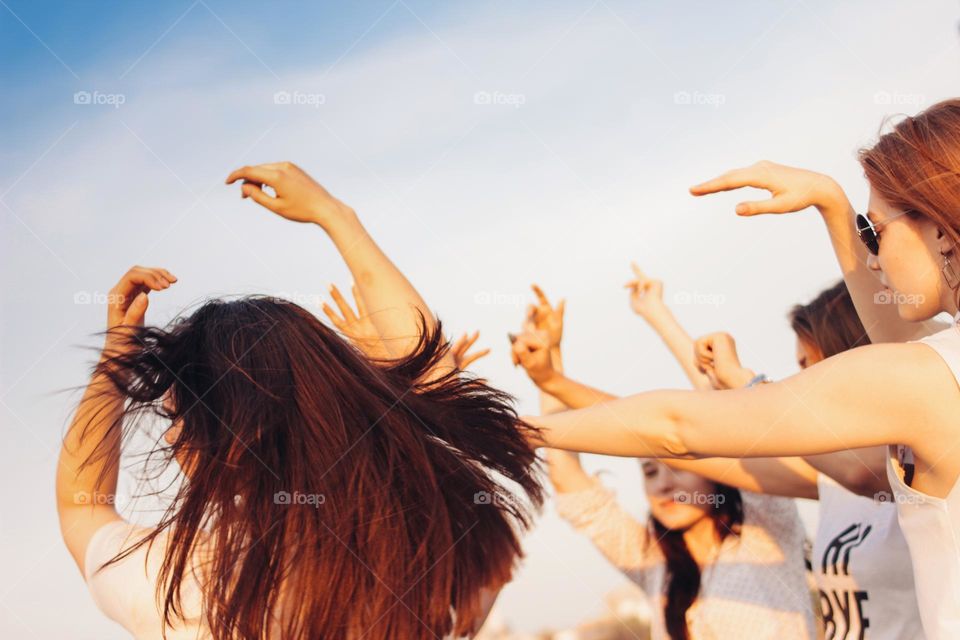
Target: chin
916, 312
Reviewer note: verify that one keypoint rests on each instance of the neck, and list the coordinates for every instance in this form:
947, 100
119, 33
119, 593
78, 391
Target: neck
701, 539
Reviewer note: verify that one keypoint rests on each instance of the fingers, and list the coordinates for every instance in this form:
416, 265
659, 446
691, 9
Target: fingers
345, 310
470, 359
541, 296
753, 176
137, 311
637, 271
262, 174
358, 299
334, 318
771, 205
561, 307
253, 191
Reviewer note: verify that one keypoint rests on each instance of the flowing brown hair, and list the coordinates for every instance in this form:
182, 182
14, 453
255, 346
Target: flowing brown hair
407, 517
916, 166
829, 321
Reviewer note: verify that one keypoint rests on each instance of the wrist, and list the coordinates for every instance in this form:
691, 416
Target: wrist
832, 202
549, 382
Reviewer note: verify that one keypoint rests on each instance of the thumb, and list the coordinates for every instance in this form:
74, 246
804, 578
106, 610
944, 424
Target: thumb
137, 310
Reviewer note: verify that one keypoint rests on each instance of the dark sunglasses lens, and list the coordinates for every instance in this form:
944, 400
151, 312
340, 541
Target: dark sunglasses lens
867, 234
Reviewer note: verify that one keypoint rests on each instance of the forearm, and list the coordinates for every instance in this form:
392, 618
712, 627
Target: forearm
394, 304
680, 344
573, 394
96, 483
861, 471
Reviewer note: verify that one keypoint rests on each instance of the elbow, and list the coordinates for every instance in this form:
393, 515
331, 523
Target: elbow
677, 439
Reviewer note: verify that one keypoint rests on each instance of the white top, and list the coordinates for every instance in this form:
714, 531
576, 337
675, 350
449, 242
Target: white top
862, 568
755, 587
931, 525
126, 591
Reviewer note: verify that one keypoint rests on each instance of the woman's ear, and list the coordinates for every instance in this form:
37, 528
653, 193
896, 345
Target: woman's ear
946, 242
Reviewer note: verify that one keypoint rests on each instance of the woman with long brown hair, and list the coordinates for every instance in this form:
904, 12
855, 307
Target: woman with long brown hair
901, 395
324, 494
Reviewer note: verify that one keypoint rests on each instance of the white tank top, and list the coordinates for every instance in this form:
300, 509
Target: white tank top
862, 568
931, 525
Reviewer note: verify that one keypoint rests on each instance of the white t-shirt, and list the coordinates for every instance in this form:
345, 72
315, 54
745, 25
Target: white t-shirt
931, 525
862, 568
126, 591
756, 586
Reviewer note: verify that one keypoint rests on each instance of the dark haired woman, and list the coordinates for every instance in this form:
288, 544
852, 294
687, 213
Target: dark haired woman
324, 494
713, 561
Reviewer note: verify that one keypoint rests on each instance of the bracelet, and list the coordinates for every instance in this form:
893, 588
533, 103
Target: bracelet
760, 378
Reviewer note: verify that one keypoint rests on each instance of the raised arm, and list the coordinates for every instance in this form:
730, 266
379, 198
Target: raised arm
849, 401
862, 471
785, 477
646, 300
394, 304
795, 189
90, 454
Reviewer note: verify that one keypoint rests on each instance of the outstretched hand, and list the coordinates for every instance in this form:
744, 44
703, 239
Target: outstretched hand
546, 318
791, 189
460, 351
646, 294
298, 197
127, 301
531, 350
716, 356
356, 325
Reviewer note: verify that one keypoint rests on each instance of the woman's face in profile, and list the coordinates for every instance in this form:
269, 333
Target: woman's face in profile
678, 499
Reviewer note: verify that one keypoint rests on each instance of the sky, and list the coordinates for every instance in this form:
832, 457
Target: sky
486, 146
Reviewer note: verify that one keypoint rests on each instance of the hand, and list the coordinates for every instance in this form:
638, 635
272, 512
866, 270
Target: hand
791, 189
127, 301
531, 350
546, 318
298, 196
356, 326
646, 294
716, 356
460, 348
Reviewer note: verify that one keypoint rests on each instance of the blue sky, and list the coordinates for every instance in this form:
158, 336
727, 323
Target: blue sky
487, 145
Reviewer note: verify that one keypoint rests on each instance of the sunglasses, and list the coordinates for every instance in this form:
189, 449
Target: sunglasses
868, 233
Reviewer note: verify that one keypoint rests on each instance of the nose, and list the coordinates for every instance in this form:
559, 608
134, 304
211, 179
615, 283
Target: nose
873, 263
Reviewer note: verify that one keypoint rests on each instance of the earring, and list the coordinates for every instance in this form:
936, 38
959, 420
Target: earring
949, 273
